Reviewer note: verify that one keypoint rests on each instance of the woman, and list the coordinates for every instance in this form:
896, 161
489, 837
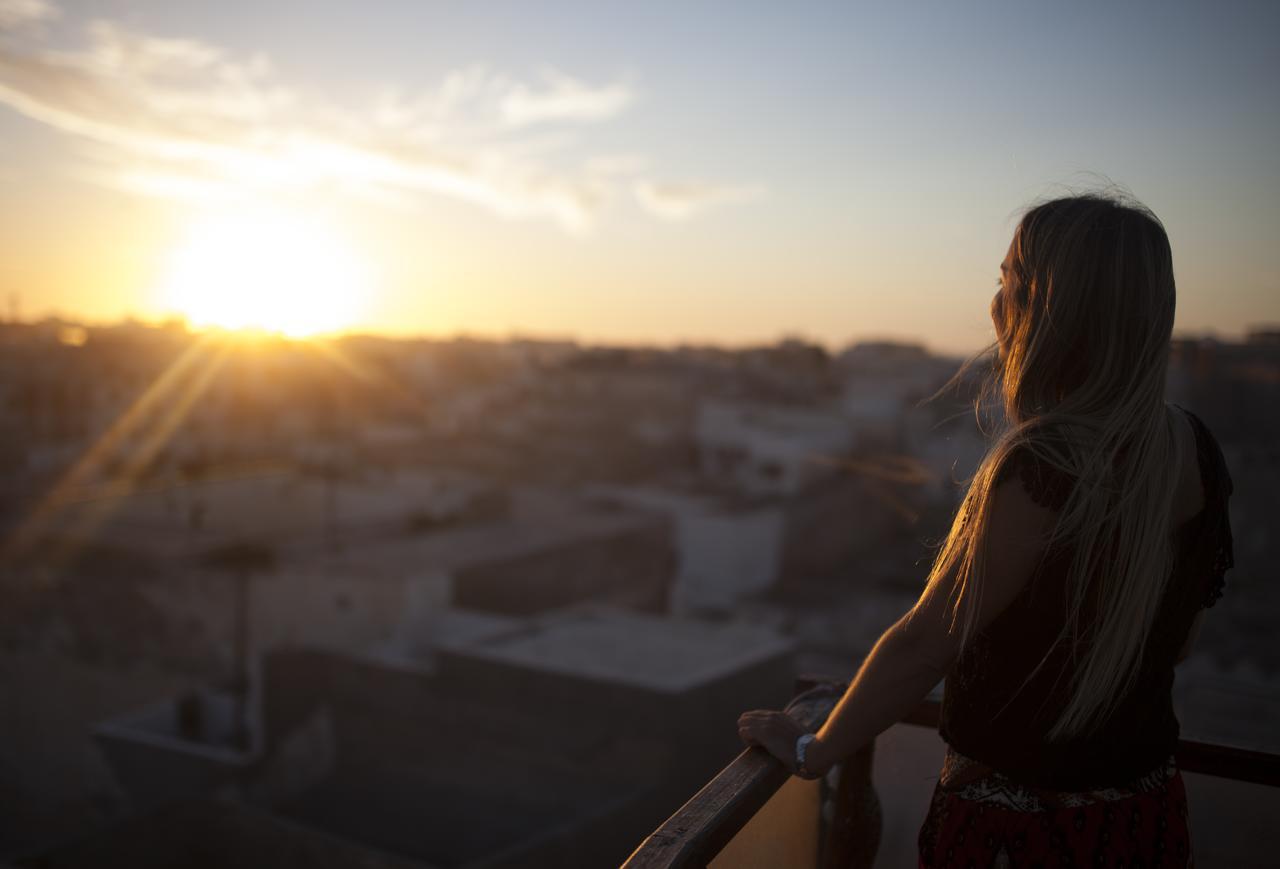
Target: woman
1073, 579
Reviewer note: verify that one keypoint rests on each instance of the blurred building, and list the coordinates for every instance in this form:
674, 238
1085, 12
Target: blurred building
496, 742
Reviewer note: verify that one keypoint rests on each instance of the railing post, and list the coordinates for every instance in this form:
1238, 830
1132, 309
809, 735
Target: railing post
853, 814
851, 811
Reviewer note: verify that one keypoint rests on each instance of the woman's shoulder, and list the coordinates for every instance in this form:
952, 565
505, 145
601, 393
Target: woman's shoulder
1051, 486
1212, 529
1048, 485
1214, 473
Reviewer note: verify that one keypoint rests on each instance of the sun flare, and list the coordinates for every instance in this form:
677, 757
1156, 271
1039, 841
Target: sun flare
266, 270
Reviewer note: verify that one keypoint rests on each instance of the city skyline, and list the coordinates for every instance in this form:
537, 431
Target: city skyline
657, 176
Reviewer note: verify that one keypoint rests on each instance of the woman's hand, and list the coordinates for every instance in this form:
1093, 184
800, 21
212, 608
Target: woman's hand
775, 732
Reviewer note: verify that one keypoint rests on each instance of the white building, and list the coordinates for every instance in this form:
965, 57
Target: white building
767, 449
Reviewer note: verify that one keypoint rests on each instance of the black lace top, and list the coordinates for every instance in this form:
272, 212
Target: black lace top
990, 715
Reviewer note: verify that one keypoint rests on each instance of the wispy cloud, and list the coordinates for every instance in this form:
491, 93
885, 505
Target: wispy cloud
183, 118
562, 98
21, 13
682, 200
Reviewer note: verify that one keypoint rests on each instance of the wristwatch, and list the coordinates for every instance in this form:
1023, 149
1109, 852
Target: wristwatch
802, 745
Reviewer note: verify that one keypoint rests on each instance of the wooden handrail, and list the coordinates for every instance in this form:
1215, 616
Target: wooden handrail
701, 828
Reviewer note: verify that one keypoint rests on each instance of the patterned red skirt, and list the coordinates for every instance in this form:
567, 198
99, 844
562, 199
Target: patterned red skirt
980, 818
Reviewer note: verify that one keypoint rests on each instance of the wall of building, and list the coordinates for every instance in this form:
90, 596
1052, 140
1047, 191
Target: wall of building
633, 568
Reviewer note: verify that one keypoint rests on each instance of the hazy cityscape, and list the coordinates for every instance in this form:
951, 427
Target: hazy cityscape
461, 603
426, 428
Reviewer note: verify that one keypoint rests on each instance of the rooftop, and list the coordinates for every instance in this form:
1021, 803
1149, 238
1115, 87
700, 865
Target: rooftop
664, 654
538, 520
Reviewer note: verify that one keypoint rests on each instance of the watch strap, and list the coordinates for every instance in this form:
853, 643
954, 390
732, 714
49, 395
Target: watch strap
802, 747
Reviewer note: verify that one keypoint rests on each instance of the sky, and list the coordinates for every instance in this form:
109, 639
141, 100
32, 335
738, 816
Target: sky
619, 172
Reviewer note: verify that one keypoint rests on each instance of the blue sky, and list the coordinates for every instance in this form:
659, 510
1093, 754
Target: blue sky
631, 172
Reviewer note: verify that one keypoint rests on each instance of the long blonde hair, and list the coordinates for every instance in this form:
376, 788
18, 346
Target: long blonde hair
1084, 324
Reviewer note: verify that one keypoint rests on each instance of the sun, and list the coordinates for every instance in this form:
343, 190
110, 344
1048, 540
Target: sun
265, 270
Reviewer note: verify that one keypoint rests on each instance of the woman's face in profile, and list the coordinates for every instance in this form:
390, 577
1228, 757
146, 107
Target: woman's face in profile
1000, 300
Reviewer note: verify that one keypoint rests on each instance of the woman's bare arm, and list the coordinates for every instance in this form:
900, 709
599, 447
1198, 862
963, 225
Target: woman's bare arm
918, 650
1193, 633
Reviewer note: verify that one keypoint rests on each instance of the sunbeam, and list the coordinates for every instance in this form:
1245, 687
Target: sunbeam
371, 376
72, 483
151, 442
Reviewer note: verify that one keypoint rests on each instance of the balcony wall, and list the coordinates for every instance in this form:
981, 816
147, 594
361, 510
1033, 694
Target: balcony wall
783, 833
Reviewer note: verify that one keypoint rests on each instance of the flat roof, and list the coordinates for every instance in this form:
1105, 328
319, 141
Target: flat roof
661, 653
527, 530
